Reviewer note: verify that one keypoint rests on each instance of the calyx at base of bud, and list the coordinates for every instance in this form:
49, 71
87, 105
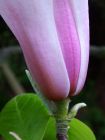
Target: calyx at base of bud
63, 116
58, 109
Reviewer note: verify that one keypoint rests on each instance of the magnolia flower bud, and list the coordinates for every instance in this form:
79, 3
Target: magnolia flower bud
54, 36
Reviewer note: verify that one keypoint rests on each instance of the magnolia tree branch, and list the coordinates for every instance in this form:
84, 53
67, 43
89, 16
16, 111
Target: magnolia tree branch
9, 74
98, 52
7, 51
12, 80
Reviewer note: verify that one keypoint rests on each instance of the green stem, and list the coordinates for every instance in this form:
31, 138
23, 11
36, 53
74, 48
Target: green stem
61, 116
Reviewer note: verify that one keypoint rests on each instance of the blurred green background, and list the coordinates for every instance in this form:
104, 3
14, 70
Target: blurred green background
12, 70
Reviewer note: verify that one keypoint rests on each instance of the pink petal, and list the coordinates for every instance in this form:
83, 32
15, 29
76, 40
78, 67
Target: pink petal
32, 22
80, 13
69, 40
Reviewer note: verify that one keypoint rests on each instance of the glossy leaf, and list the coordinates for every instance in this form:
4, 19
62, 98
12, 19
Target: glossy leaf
77, 131
80, 131
26, 116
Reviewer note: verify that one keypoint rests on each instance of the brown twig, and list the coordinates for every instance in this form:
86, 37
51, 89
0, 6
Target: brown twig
15, 85
61, 137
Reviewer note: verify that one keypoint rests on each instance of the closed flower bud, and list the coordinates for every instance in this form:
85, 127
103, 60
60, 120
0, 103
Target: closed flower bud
54, 36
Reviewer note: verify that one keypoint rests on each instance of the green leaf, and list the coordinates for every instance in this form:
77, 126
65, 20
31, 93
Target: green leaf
50, 133
80, 131
77, 131
26, 116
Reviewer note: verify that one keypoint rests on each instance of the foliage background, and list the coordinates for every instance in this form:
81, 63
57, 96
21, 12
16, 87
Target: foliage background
94, 91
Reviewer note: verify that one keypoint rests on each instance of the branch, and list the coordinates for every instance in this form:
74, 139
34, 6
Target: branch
12, 80
98, 52
7, 51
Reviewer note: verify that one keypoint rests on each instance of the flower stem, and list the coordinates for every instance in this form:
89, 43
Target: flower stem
61, 117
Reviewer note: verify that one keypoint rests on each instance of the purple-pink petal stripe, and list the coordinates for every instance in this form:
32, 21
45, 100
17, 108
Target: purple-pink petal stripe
69, 40
81, 16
